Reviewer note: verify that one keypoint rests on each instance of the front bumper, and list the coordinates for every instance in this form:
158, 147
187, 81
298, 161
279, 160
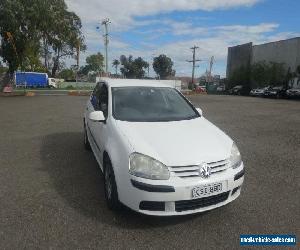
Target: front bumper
174, 196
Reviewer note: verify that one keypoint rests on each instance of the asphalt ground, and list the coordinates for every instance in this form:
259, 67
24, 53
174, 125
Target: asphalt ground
51, 189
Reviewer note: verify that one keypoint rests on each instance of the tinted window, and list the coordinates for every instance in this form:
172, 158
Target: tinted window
99, 98
103, 100
150, 104
95, 96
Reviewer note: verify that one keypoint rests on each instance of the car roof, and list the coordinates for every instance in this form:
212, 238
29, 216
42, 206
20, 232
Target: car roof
134, 83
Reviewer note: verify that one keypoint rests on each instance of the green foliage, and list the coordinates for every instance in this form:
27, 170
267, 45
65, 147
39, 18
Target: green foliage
240, 76
67, 74
94, 63
133, 68
260, 74
191, 86
3, 69
32, 28
162, 65
69, 87
271, 73
116, 64
277, 73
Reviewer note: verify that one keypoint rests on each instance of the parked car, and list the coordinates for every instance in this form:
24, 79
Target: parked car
139, 130
237, 90
293, 93
203, 87
258, 91
221, 88
277, 92
200, 89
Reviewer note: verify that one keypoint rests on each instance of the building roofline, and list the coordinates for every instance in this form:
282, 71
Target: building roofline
239, 45
283, 40
259, 44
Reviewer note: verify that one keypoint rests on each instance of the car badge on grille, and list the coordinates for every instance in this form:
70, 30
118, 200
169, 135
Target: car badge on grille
204, 170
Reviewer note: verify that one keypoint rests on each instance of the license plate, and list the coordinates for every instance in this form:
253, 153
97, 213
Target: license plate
207, 190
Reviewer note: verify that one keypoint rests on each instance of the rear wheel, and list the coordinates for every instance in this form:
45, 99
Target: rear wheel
86, 142
110, 187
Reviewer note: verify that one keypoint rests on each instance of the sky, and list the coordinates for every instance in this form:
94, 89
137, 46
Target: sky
148, 28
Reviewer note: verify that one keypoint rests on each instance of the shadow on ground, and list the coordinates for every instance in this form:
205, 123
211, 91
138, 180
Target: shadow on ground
76, 177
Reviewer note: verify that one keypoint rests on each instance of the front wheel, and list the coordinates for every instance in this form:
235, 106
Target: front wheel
110, 187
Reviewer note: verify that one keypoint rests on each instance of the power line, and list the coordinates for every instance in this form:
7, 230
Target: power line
194, 61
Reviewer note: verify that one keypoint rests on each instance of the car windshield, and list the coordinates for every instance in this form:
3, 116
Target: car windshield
150, 104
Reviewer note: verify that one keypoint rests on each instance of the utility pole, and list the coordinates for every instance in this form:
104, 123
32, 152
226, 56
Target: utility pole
105, 22
211, 63
77, 61
194, 62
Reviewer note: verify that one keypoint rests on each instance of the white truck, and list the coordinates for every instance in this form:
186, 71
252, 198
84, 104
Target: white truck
54, 82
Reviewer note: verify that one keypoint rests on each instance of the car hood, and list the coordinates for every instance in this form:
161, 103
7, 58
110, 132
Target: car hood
178, 143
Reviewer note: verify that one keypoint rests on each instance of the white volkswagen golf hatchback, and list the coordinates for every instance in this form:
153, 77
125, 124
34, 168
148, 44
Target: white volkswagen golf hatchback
159, 155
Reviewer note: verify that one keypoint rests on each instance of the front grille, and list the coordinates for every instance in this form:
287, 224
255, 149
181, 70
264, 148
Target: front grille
152, 205
193, 171
186, 205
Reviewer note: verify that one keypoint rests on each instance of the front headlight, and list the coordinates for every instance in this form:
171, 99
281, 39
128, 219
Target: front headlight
147, 167
235, 157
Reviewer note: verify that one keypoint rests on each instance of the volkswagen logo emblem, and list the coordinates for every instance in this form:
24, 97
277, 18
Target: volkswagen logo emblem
204, 170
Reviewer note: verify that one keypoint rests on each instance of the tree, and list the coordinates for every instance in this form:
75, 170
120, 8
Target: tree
28, 27
116, 64
162, 65
95, 62
241, 76
259, 73
277, 73
3, 69
133, 68
16, 31
67, 74
139, 67
67, 39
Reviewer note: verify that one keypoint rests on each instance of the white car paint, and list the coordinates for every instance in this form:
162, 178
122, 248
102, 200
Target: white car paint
172, 83
185, 144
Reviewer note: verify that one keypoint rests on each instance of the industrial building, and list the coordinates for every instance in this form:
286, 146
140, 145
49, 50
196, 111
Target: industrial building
284, 51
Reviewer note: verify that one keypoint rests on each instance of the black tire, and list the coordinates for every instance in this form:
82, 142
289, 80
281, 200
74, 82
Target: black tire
110, 187
86, 142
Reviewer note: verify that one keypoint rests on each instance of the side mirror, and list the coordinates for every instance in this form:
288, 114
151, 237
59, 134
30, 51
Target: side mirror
199, 111
97, 116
